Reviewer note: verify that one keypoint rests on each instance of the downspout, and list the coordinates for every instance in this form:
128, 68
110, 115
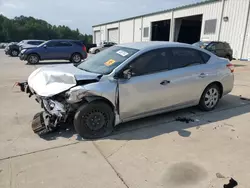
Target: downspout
119, 33
133, 30
245, 31
141, 27
172, 28
221, 18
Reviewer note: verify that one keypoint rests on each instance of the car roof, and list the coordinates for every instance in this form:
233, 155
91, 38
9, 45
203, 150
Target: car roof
32, 40
153, 44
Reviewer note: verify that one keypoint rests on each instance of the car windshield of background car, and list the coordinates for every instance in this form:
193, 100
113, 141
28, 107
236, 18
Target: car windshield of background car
106, 61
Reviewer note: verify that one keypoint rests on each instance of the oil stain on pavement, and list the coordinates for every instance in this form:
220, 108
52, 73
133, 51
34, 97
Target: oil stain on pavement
184, 174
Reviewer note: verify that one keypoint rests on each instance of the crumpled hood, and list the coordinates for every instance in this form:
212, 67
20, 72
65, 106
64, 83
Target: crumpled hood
51, 80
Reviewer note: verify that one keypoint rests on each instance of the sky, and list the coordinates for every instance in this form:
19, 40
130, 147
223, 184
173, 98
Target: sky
83, 14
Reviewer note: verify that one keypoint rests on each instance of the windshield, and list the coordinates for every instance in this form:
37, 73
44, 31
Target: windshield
201, 44
42, 44
106, 61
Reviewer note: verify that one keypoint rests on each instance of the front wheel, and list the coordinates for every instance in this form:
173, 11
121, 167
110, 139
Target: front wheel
94, 120
210, 98
33, 59
14, 53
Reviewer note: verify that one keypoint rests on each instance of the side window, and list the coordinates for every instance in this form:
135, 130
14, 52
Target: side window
150, 62
184, 57
51, 44
63, 44
219, 46
205, 57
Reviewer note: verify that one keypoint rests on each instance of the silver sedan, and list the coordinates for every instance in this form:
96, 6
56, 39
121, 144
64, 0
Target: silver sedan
130, 81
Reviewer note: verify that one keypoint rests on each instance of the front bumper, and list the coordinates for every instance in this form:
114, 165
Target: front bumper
54, 112
7, 52
23, 57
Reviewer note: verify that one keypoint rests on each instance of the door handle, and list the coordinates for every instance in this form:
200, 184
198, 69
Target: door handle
203, 75
165, 82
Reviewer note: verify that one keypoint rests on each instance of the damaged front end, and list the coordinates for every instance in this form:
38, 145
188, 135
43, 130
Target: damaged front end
56, 110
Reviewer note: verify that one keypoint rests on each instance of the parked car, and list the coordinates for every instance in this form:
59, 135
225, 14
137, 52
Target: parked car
127, 82
3, 45
102, 47
14, 48
221, 49
72, 50
26, 44
89, 46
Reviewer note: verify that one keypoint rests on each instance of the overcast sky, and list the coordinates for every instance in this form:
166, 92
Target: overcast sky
83, 14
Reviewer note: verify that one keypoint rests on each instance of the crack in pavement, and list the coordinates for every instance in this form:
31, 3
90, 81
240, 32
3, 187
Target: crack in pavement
118, 149
119, 133
117, 173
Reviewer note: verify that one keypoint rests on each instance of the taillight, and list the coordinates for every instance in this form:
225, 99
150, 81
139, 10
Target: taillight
84, 48
231, 67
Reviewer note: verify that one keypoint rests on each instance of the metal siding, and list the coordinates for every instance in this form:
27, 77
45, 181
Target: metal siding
147, 20
97, 36
233, 30
96, 28
103, 33
246, 48
114, 25
137, 30
126, 31
208, 11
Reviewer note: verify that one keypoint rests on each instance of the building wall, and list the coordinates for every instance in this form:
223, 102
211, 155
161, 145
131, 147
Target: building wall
137, 30
126, 31
246, 47
208, 11
231, 31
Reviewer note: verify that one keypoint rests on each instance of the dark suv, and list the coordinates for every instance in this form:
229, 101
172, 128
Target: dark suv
221, 49
72, 50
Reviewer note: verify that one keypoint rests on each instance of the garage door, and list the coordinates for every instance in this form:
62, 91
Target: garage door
97, 37
113, 35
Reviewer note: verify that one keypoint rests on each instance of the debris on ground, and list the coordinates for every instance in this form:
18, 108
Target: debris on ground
232, 184
184, 119
219, 175
244, 98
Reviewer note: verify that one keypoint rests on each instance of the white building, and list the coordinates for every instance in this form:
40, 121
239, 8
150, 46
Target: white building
217, 20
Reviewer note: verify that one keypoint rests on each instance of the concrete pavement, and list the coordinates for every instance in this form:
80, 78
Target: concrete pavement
153, 152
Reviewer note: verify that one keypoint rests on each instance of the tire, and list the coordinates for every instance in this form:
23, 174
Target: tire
97, 51
94, 120
14, 53
210, 98
76, 58
33, 59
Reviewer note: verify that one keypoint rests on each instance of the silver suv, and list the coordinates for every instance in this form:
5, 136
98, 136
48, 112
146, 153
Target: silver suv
127, 82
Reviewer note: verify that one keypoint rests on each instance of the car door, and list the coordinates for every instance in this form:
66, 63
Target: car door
146, 91
64, 49
49, 50
189, 74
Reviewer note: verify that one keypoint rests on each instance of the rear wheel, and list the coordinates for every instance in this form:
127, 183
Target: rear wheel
14, 53
94, 120
33, 59
97, 51
76, 58
210, 98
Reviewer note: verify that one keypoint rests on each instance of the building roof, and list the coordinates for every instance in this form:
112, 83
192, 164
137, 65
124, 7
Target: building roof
153, 44
159, 12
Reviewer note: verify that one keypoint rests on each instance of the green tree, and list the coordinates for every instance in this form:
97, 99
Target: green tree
22, 27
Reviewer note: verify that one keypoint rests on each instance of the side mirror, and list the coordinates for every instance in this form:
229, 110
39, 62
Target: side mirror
127, 74
45, 46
